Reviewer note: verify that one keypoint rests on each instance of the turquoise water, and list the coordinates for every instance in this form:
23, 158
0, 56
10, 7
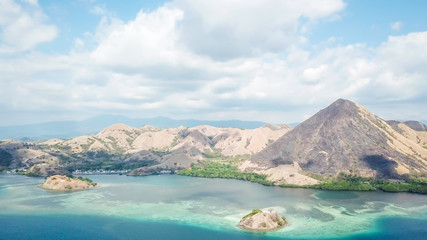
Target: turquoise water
177, 207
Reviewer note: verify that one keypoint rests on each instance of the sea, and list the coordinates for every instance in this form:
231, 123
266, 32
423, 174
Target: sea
180, 207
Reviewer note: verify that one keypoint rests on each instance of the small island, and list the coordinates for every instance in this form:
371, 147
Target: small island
260, 221
64, 183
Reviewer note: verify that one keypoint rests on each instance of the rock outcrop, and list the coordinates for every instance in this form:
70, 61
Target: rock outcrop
261, 221
64, 183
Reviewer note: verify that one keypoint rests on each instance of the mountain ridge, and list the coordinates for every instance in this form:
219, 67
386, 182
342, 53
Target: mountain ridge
344, 138
121, 145
69, 129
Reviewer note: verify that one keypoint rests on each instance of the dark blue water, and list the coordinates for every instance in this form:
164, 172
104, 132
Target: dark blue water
397, 228
93, 227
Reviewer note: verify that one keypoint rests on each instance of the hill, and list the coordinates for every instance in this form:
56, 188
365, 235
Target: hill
147, 149
341, 140
346, 137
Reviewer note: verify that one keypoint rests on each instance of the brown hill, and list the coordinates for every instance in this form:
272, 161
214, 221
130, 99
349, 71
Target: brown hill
417, 126
146, 149
260, 221
64, 183
345, 137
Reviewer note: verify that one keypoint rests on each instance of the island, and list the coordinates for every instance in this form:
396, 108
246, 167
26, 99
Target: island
260, 221
64, 183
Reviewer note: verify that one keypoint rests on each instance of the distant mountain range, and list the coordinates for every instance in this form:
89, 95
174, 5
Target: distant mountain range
69, 129
342, 138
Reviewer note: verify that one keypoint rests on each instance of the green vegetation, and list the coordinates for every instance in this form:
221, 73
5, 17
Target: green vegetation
343, 182
29, 174
255, 211
346, 182
280, 222
220, 170
216, 153
349, 183
412, 185
285, 185
88, 180
68, 187
34, 173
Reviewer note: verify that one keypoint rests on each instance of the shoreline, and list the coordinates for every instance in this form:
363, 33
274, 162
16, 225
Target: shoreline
314, 187
258, 230
64, 183
68, 190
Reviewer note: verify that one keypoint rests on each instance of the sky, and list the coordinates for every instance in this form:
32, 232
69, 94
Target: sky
277, 61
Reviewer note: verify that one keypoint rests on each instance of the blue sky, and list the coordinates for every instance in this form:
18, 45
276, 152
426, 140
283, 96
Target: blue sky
274, 61
361, 21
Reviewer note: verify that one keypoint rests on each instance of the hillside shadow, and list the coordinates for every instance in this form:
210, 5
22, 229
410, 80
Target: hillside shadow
280, 161
384, 167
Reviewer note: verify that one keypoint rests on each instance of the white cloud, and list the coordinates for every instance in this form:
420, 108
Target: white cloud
221, 30
315, 74
226, 29
149, 67
188, 38
99, 10
150, 39
23, 28
396, 26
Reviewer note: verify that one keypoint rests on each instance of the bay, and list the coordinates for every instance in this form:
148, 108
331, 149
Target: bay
178, 207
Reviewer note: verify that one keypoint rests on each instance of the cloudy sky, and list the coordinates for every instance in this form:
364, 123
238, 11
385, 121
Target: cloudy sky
277, 61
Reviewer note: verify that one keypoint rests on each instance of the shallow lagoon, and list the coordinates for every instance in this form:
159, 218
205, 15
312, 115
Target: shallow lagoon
178, 207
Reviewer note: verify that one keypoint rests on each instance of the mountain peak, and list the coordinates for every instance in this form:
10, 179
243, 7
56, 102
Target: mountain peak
342, 101
342, 104
340, 111
149, 128
342, 137
118, 127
